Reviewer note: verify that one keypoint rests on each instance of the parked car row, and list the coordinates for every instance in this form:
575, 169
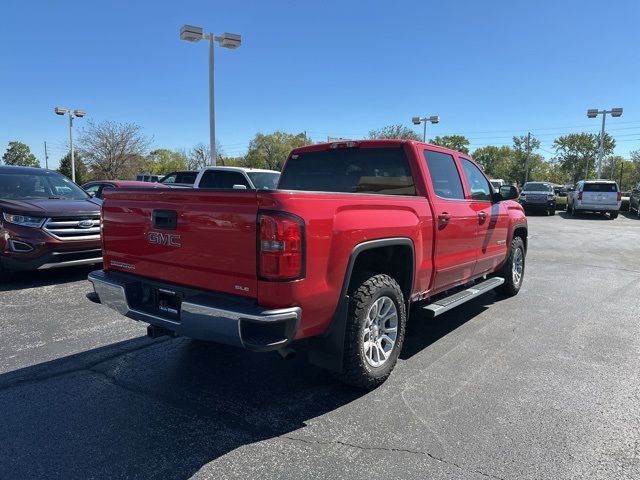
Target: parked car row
47, 221
595, 196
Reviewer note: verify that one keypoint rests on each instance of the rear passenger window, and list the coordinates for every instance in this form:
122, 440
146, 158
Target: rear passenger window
444, 175
220, 179
478, 184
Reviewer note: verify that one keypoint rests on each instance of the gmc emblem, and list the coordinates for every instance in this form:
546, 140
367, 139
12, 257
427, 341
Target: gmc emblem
166, 239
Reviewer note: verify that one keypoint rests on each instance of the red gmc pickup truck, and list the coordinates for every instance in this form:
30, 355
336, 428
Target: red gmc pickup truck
354, 235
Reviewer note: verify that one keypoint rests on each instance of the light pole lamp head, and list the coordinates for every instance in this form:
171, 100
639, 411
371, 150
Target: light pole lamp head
190, 33
592, 113
229, 40
434, 119
416, 120
79, 113
60, 111
616, 112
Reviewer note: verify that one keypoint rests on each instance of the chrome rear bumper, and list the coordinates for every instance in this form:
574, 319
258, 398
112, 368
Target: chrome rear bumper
212, 317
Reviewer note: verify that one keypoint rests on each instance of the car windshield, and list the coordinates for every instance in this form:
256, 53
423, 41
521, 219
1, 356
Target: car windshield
537, 187
22, 186
264, 180
600, 187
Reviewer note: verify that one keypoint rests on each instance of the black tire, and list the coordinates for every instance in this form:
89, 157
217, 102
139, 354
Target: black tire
613, 215
551, 212
357, 370
5, 275
574, 212
510, 287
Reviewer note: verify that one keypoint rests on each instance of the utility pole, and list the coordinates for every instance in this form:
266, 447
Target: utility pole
46, 156
526, 162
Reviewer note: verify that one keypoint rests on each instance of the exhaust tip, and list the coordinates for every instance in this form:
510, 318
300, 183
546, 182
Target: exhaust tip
287, 353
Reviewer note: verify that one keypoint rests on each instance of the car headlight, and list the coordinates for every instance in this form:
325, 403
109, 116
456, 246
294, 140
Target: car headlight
24, 220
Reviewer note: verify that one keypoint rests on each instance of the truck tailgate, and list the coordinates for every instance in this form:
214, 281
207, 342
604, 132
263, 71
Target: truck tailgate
200, 239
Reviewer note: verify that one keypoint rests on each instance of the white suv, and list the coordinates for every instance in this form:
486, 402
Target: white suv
598, 196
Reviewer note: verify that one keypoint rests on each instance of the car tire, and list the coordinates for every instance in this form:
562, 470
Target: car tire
513, 269
551, 212
613, 215
376, 310
5, 275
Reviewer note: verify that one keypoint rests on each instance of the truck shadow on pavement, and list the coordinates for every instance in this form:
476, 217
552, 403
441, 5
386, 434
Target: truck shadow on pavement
164, 408
44, 278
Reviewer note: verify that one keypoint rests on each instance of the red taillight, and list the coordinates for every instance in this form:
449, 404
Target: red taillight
579, 195
619, 196
280, 247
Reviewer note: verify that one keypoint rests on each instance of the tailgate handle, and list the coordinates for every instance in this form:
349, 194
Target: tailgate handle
165, 219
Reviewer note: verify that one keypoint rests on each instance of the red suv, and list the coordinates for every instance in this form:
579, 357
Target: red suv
46, 221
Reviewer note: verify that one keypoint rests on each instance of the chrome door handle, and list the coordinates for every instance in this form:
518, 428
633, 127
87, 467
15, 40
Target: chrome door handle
444, 217
482, 215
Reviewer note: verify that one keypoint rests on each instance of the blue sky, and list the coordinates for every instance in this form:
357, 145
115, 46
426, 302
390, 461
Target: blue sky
490, 69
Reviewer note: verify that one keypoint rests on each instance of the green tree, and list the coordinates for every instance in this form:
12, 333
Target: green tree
162, 161
82, 174
577, 153
459, 143
271, 150
497, 161
522, 145
19, 154
395, 131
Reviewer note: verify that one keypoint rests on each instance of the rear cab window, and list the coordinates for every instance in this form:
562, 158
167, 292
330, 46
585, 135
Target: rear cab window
382, 171
222, 180
600, 187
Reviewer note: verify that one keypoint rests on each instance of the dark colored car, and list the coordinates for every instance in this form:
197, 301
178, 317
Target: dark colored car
183, 178
538, 196
46, 221
97, 188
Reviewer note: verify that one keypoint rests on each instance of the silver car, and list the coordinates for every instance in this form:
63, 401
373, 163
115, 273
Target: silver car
598, 196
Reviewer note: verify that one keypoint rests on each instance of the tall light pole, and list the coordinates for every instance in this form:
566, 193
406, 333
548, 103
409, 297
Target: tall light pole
72, 114
226, 40
593, 113
419, 120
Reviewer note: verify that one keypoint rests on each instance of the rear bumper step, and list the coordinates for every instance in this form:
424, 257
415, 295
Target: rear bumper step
447, 303
217, 318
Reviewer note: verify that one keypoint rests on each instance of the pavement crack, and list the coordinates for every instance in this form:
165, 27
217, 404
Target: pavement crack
392, 449
48, 373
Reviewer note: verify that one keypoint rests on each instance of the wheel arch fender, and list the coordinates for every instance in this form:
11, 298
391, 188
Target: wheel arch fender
327, 350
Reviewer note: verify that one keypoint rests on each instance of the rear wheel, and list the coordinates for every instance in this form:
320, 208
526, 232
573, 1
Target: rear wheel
613, 215
375, 332
513, 269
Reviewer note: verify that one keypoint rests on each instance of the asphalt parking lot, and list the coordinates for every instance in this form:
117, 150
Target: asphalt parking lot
542, 385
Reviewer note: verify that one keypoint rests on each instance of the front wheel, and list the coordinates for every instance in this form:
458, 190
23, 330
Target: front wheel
513, 269
551, 212
375, 332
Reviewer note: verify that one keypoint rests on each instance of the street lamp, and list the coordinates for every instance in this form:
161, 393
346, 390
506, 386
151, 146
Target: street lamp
593, 113
72, 114
190, 33
419, 120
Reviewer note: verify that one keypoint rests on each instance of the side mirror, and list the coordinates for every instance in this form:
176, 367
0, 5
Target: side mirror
508, 192
91, 194
239, 187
